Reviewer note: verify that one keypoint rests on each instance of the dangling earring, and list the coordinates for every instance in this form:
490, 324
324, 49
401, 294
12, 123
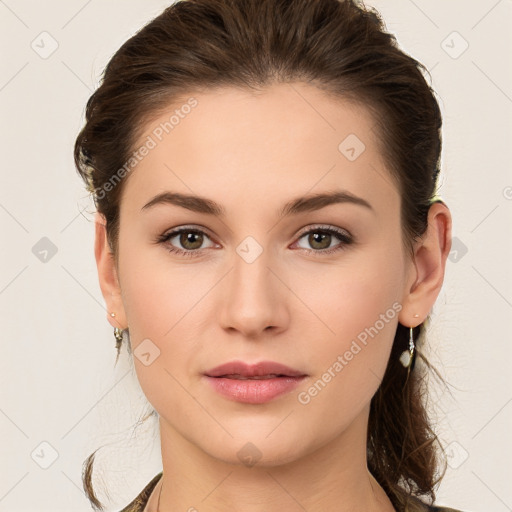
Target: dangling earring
118, 334
407, 356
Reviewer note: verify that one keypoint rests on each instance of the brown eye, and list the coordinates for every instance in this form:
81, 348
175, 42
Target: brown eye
185, 241
319, 240
191, 239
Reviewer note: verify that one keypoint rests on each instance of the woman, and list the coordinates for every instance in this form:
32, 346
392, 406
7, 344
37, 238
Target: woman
269, 243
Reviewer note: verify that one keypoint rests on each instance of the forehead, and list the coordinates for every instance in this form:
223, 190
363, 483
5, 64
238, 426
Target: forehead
285, 140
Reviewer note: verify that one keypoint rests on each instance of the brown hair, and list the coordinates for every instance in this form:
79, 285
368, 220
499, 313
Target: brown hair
341, 47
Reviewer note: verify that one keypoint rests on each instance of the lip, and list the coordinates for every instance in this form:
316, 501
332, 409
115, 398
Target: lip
253, 370
235, 381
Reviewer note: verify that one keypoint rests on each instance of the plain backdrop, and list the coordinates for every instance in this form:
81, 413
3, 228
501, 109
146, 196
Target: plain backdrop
62, 397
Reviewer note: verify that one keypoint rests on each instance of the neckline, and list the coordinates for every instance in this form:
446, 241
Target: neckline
141, 501
155, 500
138, 504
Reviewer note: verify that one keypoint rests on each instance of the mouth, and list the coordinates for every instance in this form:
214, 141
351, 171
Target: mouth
262, 370
237, 376
253, 384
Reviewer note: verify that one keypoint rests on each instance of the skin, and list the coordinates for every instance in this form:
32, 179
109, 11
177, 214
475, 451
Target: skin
252, 153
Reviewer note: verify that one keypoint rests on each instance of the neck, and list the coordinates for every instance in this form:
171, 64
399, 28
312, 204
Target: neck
332, 477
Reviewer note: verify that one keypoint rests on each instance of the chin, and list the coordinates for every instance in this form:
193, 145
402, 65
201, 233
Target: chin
255, 448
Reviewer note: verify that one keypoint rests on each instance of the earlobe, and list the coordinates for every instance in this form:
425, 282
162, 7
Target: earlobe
430, 255
107, 275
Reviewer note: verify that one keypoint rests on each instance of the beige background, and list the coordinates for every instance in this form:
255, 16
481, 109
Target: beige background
61, 397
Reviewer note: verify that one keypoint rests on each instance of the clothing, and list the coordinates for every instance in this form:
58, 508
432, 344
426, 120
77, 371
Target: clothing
138, 504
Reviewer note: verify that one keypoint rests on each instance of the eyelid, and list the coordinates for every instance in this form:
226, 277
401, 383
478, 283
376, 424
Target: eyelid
344, 237
323, 227
187, 228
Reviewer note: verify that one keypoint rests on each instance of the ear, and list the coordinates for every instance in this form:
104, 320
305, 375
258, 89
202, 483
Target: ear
427, 272
107, 275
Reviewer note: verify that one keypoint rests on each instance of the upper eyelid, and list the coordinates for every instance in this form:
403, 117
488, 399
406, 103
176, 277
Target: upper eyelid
303, 231
322, 227
176, 231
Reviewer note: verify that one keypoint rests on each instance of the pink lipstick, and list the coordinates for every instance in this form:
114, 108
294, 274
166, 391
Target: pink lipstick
253, 384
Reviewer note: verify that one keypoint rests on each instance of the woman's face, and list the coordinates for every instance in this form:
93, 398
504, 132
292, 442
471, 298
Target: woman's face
262, 281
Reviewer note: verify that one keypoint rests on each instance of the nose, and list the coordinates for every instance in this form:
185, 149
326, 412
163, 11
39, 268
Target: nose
254, 298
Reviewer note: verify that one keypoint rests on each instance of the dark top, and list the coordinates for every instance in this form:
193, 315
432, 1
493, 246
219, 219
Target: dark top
138, 504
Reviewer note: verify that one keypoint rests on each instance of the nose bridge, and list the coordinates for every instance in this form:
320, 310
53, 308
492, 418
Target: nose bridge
252, 302
251, 279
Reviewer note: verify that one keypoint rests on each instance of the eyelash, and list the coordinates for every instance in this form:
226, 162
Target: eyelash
343, 236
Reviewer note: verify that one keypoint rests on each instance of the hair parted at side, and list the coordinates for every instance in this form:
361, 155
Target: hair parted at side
339, 46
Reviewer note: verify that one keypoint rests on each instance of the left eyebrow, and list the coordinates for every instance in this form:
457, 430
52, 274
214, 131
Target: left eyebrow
308, 203
317, 201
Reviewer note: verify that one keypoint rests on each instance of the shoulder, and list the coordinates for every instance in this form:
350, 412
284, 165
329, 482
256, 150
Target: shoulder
140, 501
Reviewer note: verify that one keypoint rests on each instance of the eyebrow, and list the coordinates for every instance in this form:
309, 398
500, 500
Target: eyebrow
307, 203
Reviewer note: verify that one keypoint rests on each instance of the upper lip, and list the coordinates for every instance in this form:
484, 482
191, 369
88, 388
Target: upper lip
253, 370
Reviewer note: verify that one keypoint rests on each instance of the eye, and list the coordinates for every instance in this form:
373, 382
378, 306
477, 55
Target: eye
321, 238
190, 239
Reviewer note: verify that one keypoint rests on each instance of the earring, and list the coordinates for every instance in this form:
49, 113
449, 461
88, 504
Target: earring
118, 334
407, 356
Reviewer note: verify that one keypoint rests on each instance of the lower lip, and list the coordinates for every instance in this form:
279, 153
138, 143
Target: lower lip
254, 391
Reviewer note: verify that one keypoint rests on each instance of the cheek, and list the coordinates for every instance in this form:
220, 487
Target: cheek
356, 306
347, 297
163, 310
348, 366
169, 305
158, 293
